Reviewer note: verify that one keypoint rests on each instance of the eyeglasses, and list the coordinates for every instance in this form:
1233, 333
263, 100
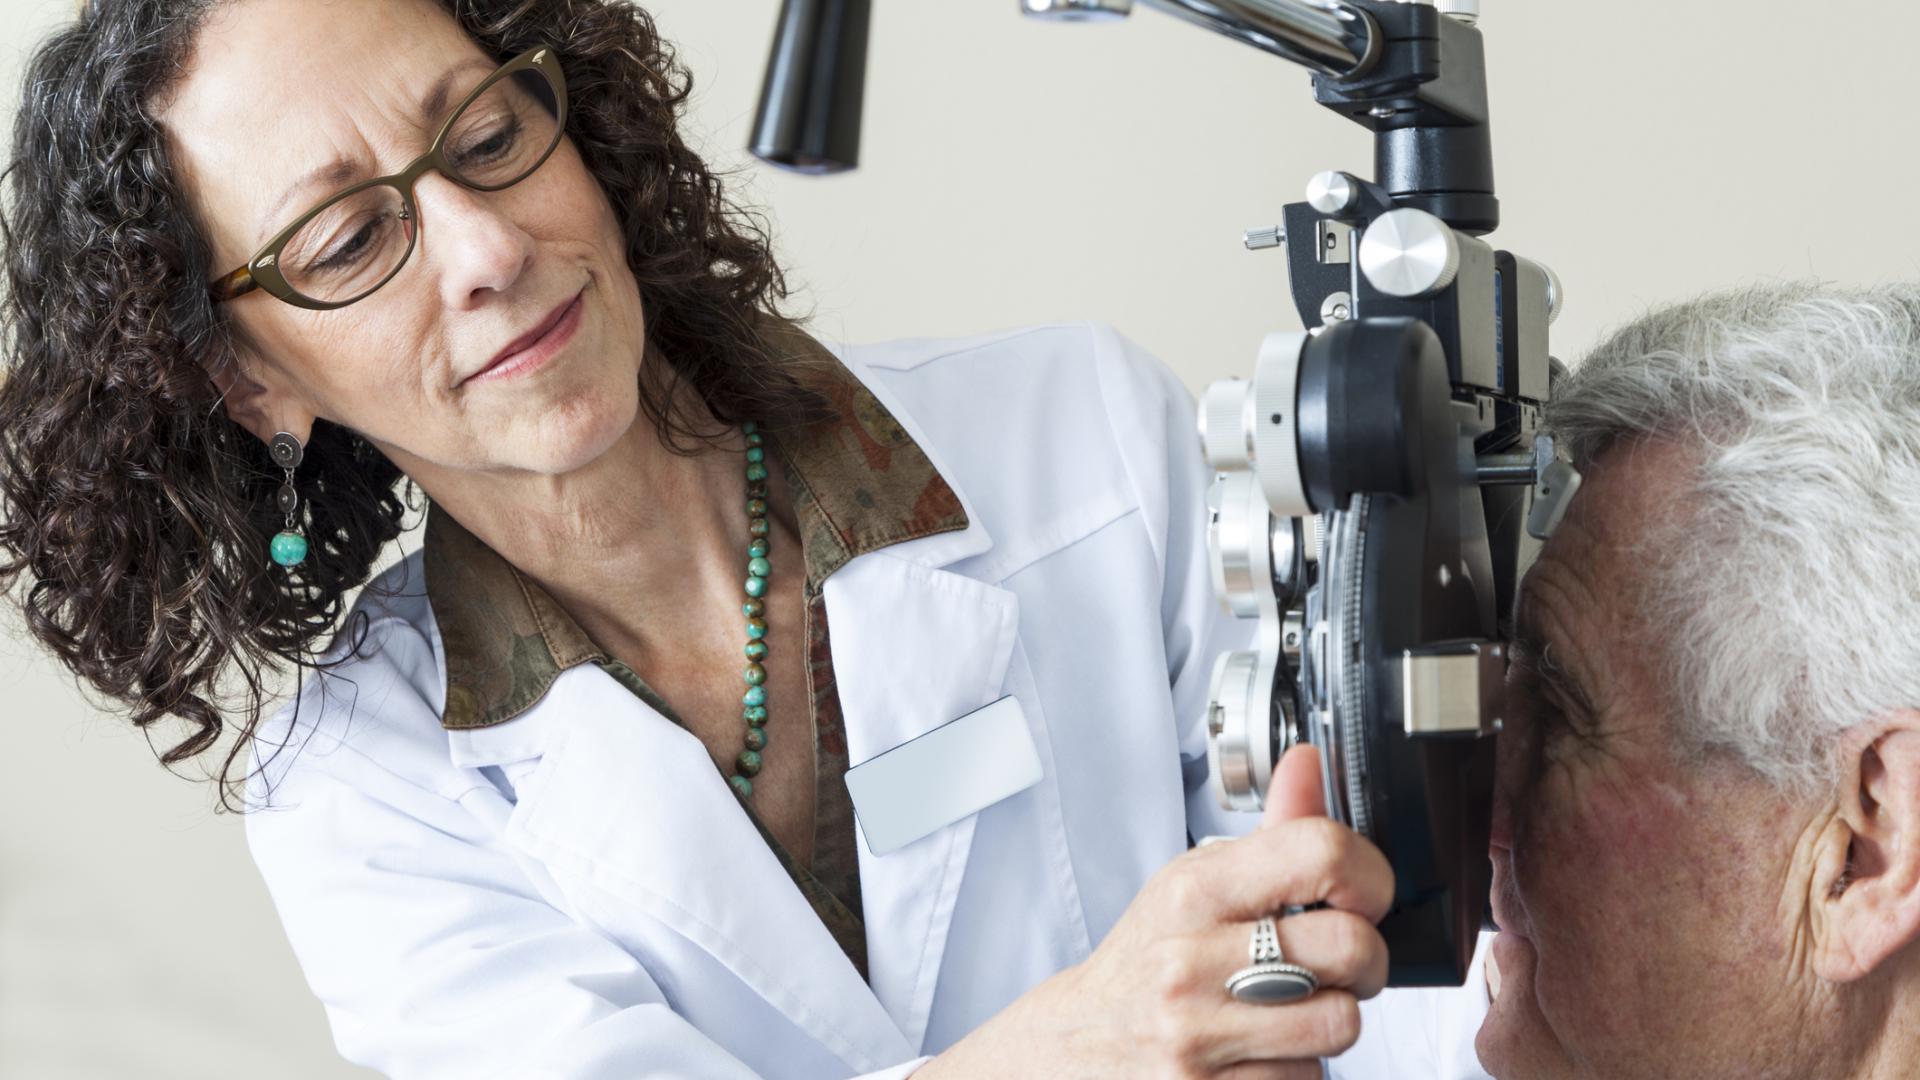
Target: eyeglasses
358, 239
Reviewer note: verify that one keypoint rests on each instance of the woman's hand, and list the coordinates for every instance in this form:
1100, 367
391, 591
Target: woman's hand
1152, 1001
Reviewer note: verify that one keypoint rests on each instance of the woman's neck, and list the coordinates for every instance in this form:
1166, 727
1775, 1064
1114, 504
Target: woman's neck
644, 547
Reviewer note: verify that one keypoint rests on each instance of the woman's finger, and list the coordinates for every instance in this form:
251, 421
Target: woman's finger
1300, 861
1322, 1025
1342, 949
1295, 791
1272, 1070
1213, 1029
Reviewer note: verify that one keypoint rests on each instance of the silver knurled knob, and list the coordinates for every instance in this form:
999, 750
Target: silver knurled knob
1311, 530
1409, 253
1265, 237
1223, 424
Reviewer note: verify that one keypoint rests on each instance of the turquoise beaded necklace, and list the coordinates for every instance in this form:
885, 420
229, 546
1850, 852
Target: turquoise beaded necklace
755, 609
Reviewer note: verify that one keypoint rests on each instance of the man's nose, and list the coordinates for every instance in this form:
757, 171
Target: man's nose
473, 246
1509, 753
1500, 835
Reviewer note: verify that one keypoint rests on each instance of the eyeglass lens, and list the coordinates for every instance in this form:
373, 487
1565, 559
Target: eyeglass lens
359, 240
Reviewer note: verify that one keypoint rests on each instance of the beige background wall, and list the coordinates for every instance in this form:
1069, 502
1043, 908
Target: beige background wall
1011, 172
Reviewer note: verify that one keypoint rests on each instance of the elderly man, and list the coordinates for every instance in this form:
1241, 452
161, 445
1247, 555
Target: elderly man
1707, 827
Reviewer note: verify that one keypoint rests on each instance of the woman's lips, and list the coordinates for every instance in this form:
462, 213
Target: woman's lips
540, 350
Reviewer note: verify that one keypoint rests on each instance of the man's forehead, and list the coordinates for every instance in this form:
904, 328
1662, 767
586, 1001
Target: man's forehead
1627, 495
1579, 595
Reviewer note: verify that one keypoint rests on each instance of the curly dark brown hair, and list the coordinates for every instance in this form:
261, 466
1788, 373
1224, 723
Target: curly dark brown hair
140, 510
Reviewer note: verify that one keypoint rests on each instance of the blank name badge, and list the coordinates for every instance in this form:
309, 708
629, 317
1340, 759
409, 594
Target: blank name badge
959, 768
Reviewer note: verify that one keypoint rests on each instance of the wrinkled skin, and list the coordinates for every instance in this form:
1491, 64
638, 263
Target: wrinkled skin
1667, 918
277, 87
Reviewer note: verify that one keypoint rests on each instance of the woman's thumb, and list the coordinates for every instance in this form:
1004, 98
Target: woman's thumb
1295, 791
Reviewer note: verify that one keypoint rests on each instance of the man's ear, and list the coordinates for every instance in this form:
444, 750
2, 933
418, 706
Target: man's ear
256, 405
1871, 903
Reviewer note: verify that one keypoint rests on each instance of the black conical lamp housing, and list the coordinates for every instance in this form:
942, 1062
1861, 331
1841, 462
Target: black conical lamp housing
809, 115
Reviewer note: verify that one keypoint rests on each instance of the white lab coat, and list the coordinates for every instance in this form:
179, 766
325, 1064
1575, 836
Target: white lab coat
576, 894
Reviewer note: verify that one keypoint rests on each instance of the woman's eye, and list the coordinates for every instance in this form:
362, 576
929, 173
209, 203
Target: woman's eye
493, 146
348, 252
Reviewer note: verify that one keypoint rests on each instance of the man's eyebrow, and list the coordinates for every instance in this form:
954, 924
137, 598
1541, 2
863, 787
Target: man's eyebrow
1532, 653
338, 172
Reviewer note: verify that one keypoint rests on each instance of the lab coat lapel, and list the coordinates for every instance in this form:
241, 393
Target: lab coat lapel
914, 646
629, 801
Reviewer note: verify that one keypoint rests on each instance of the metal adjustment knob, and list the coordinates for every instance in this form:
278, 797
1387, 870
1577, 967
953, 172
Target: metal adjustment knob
1467, 11
1332, 192
1274, 419
1312, 528
1265, 237
1409, 253
1076, 10
1224, 434
1554, 294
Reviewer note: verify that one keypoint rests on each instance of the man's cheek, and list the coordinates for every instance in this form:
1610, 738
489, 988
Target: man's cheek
1601, 877
1602, 839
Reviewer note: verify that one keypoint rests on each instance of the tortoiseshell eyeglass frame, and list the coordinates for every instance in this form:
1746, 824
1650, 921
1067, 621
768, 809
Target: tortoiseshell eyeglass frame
262, 271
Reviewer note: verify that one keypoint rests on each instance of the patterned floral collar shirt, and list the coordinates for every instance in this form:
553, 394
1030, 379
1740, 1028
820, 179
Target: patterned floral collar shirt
858, 483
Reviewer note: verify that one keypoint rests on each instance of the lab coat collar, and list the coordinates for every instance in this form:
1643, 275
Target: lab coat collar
626, 807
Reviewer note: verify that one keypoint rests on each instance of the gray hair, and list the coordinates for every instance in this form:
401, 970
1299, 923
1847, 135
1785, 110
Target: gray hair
1785, 598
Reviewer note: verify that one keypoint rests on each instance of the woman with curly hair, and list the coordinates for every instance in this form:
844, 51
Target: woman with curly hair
566, 793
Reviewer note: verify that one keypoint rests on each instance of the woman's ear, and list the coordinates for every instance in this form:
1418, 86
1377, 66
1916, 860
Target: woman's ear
1871, 905
253, 404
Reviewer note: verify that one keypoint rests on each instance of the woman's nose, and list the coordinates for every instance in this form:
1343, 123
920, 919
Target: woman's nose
473, 245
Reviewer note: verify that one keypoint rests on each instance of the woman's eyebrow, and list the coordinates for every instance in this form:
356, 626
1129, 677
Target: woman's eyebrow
336, 172
340, 171
435, 102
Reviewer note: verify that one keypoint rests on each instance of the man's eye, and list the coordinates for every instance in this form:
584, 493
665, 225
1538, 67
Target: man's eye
1549, 720
1532, 705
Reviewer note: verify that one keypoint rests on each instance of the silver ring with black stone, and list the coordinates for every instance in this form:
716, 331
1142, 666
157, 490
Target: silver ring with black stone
1270, 980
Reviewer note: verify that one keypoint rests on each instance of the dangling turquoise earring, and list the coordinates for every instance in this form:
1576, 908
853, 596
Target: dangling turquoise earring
289, 547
